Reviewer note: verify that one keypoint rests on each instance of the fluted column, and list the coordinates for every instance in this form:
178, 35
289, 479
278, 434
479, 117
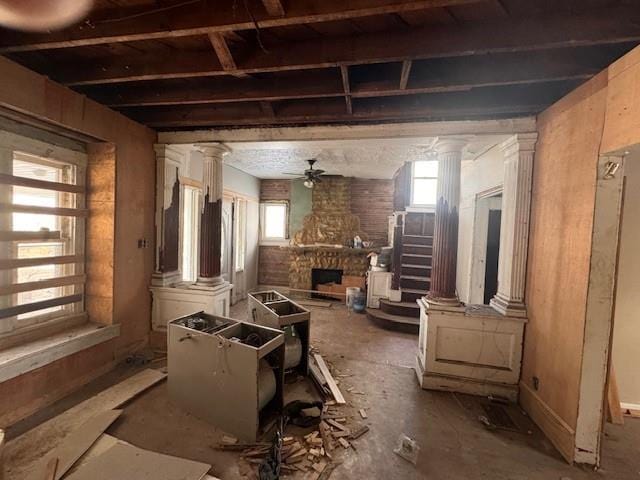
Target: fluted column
514, 224
209, 272
169, 163
445, 235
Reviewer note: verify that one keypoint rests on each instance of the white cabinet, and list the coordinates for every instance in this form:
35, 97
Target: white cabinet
379, 285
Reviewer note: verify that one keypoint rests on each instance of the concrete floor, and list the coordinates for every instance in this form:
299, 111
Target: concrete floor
453, 442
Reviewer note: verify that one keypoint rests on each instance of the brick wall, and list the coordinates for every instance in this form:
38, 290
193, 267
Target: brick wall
372, 201
275, 190
273, 266
273, 262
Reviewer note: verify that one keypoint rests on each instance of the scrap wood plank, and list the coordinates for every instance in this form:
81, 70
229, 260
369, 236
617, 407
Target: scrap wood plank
124, 461
72, 447
22, 452
337, 394
1, 454
613, 400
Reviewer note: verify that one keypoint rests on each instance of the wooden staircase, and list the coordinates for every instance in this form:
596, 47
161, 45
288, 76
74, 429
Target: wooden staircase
413, 245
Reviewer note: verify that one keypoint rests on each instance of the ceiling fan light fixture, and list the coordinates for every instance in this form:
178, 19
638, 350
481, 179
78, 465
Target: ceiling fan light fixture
308, 183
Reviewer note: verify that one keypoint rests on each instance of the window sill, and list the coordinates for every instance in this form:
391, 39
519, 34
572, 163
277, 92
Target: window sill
421, 209
274, 243
20, 359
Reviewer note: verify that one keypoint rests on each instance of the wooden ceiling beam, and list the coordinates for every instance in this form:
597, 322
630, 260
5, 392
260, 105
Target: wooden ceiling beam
220, 46
439, 75
530, 34
492, 103
201, 19
404, 74
274, 7
346, 87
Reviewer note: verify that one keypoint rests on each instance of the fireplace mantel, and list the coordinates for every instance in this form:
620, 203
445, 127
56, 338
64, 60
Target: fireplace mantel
352, 261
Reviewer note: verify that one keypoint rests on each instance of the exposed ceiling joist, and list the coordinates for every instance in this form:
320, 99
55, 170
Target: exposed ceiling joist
221, 48
531, 34
274, 7
432, 76
201, 19
346, 87
404, 74
511, 101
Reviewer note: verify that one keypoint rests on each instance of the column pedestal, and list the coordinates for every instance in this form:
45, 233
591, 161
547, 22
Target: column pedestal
472, 350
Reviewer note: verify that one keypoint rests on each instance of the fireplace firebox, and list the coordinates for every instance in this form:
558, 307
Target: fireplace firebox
320, 276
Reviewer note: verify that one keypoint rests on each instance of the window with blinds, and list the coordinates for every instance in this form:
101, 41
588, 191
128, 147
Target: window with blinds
42, 224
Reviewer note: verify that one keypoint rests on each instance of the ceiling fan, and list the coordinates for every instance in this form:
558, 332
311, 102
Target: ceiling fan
311, 176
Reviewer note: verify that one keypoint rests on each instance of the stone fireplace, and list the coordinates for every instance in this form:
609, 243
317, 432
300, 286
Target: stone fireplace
324, 242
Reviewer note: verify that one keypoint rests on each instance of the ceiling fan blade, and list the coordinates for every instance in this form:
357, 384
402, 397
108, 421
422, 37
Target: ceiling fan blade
287, 173
318, 172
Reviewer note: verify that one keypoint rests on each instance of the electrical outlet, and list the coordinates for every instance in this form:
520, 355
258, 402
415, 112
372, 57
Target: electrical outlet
143, 243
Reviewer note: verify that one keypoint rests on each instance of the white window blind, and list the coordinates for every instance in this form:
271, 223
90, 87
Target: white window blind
42, 225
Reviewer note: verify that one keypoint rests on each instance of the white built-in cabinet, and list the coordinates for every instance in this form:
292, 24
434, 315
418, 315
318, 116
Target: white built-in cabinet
379, 286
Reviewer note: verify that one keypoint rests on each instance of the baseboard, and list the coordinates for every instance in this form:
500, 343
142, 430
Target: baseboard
629, 406
555, 428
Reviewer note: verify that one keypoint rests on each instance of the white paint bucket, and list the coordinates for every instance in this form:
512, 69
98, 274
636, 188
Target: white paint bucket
351, 293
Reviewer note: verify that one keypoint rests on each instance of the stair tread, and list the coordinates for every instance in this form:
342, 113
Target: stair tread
420, 236
416, 255
413, 265
416, 277
413, 290
400, 304
416, 245
392, 318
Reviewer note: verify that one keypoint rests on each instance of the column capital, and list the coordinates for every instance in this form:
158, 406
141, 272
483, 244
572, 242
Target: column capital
450, 144
520, 142
170, 152
212, 149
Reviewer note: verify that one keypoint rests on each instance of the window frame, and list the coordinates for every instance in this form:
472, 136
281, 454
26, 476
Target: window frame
264, 240
239, 234
422, 206
72, 219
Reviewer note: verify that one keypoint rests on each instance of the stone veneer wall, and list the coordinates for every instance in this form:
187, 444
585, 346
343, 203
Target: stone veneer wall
331, 220
341, 208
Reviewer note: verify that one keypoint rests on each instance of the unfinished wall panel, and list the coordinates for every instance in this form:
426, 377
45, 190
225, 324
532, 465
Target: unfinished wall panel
563, 201
39, 97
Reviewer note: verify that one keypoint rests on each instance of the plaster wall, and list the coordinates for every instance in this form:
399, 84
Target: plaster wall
477, 176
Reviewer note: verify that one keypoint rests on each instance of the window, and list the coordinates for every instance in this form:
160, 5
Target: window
424, 183
41, 234
240, 233
190, 228
273, 221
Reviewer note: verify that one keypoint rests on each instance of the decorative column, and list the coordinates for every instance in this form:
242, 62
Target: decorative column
514, 225
169, 163
209, 273
445, 235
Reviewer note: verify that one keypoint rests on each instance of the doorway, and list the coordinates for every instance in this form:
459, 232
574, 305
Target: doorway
486, 247
493, 252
